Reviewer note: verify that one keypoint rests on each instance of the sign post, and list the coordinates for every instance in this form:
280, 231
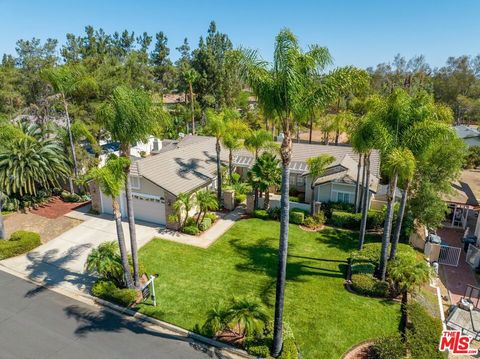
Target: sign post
146, 292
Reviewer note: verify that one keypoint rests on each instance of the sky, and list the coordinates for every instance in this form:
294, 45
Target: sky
361, 33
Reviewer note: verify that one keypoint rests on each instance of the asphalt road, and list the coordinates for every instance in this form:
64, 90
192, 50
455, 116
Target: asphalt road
38, 323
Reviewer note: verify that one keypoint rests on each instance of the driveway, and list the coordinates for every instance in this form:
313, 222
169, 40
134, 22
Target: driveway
61, 261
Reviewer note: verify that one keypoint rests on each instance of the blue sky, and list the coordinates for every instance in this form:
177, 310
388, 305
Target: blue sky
361, 33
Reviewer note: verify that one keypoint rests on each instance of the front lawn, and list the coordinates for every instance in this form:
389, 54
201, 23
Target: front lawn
325, 318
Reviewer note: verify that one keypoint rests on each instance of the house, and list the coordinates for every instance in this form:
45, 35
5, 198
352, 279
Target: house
469, 135
189, 165
174, 98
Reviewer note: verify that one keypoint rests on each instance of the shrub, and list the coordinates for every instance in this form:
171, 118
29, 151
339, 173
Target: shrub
366, 284
289, 350
315, 221
107, 290
20, 242
240, 198
212, 216
190, 222
371, 253
205, 224
192, 230
423, 333
274, 213
259, 347
389, 348
297, 217
294, 199
260, 213
70, 197
349, 220
365, 268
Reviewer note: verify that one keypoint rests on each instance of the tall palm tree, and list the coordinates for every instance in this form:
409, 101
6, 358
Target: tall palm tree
207, 201
190, 77
67, 80
255, 142
316, 168
131, 117
32, 161
282, 90
266, 173
232, 140
111, 180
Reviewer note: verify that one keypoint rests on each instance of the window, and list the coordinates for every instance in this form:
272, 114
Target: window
135, 181
300, 181
343, 197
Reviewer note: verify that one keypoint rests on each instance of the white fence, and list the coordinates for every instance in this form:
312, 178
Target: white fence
449, 255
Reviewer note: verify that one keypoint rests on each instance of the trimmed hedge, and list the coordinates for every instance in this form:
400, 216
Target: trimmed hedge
260, 213
289, 350
212, 216
20, 242
423, 333
192, 230
258, 347
366, 284
205, 224
352, 220
297, 217
107, 290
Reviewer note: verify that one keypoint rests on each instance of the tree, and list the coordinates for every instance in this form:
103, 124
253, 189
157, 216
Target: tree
66, 81
105, 260
206, 201
248, 315
183, 205
111, 180
31, 161
282, 89
266, 173
131, 117
162, 66
232, 140
316, 168
190, 77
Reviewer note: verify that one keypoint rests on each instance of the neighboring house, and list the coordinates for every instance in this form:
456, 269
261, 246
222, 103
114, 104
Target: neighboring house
141, 149
189, 164
174, 98
469, 135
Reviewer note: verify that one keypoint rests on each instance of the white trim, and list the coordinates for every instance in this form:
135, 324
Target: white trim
101, 200
137, 179
146, 196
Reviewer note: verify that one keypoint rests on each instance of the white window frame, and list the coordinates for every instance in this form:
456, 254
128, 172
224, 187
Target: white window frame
135, 182
337, 194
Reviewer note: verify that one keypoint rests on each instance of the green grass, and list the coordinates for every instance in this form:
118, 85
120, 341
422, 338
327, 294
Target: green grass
325, 318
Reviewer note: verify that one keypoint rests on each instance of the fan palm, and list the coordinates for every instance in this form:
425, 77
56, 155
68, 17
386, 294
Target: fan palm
316, 168
282, 90
111, 180
131, 117
266, 173
206, 201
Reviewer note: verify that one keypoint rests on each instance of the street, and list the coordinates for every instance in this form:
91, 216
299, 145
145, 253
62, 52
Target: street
38, 323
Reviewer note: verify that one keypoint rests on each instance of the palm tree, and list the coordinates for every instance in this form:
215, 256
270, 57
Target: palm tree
105, 260
408, 273
234, 131
190, 77
316, 168
266, 173
183, 205
282, 90
247, 315
206, 201
32, 161
67, 80
258, 140
131, 117
111, 180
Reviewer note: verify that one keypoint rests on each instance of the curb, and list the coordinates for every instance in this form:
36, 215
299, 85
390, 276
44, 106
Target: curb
219, 348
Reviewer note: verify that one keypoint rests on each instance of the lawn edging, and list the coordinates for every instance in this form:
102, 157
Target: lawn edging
352, 350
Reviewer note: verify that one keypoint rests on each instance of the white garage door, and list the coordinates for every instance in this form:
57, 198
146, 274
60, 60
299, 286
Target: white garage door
149, 208
107, 204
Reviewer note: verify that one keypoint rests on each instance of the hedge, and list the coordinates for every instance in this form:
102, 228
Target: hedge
205, 224
107, 290
366, 284
258, 347
389, 348
297, 217
212, 216
192, 230
352, 220
423, 333
70, 197
20, 242
260, 213
289, 349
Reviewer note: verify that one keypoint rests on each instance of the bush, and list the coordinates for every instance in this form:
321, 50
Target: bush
205, 224
289, 350
274, 213
70, 197
294, 199
365, 268
352, 220
423, 333
259, 347
190, 222
212, 216
389, 348
240, 198
371, 253
297, 217
192, 230
107, 290
20, 242
315, 221
366, 284
260, 213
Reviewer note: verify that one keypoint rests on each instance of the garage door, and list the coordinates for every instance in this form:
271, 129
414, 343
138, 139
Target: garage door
149, 208
107, 204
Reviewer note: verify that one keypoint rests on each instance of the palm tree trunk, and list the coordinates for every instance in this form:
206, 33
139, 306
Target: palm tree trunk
219, 173
357, 184
310, 130
230, 166
192, 107
398, 227
366, 189
404, 318
387, 229
286, 154
266, 202
72, 145
3, 232
121, 243
362, 184
131, 219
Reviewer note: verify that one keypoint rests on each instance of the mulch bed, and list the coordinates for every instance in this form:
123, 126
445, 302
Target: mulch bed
56, 208
307, 229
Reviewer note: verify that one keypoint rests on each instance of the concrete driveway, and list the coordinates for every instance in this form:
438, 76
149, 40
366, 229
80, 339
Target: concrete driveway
61, 261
